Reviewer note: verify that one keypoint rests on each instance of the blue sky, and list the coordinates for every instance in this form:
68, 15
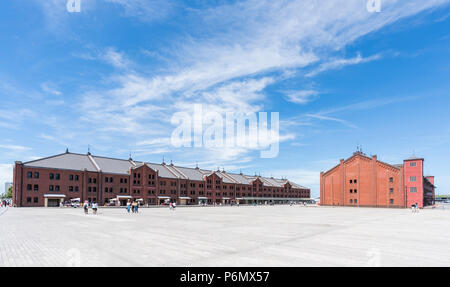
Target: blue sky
113, 75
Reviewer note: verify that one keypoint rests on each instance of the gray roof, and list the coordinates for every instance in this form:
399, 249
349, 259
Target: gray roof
240, 178
74, 161
162, 170
191, 173
111, 165
71, 161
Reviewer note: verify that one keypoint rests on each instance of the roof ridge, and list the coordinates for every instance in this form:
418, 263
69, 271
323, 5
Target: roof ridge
94, 162
48, 157
186, 177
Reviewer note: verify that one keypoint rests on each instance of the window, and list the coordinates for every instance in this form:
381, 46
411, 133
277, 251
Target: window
29, 174
58, 176
413, 164
28, 199
106, 189
391, 201
90, 180
70, 188
52, 176
76, 189
121, 180
355, 181
106, 179
29, 187
110, 179
391, 190
412, 179
351, 200
356, 201
35, 200
351, 181
76, 177
36, 187
413, 189
351, 190
95, 180
50, 187
56, 187
355, 191
391, 179
36, 175
71, 177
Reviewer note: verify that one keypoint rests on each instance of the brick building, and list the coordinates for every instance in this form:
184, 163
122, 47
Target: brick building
366, 181
69, 176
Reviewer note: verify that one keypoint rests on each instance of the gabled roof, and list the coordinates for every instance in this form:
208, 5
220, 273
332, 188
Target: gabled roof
70, 161
362, 155
241, 179
112, 165
162, 170
73, 161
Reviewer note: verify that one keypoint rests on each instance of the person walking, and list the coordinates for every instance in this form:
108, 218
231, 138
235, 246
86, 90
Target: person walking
86, 207
94, 207
174, 205
133, 206
170, 206
128, 206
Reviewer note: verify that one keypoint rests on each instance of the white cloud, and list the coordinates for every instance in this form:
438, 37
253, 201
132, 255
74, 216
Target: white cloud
335, 64
50, 88
301, 97
144, 10
232, 55
16, 148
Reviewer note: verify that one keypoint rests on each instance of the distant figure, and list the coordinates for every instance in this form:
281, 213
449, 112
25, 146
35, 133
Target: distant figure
170, 206
128, 206
417, 207
94, 207
86, 207
134, 207
174, 205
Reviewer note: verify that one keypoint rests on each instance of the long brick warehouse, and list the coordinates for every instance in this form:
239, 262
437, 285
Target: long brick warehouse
70, 176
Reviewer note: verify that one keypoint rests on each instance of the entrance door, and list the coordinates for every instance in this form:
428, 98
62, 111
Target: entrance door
53, 202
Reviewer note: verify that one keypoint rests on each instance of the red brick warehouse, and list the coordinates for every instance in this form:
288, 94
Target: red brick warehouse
366, 181
51, 180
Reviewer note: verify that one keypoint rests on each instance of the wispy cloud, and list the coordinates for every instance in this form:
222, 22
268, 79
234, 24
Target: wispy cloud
334, 64
302, 97
14, 147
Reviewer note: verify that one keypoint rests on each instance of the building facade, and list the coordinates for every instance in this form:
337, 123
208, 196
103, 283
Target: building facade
70, 176
365, 181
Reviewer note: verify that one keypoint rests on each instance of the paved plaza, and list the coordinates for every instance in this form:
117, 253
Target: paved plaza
225, 236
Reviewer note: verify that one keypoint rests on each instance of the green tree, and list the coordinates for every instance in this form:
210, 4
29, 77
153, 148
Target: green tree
9, 192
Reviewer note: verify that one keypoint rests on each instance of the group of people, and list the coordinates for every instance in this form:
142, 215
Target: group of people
4, 203
93, 205
133, 207
172, 205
